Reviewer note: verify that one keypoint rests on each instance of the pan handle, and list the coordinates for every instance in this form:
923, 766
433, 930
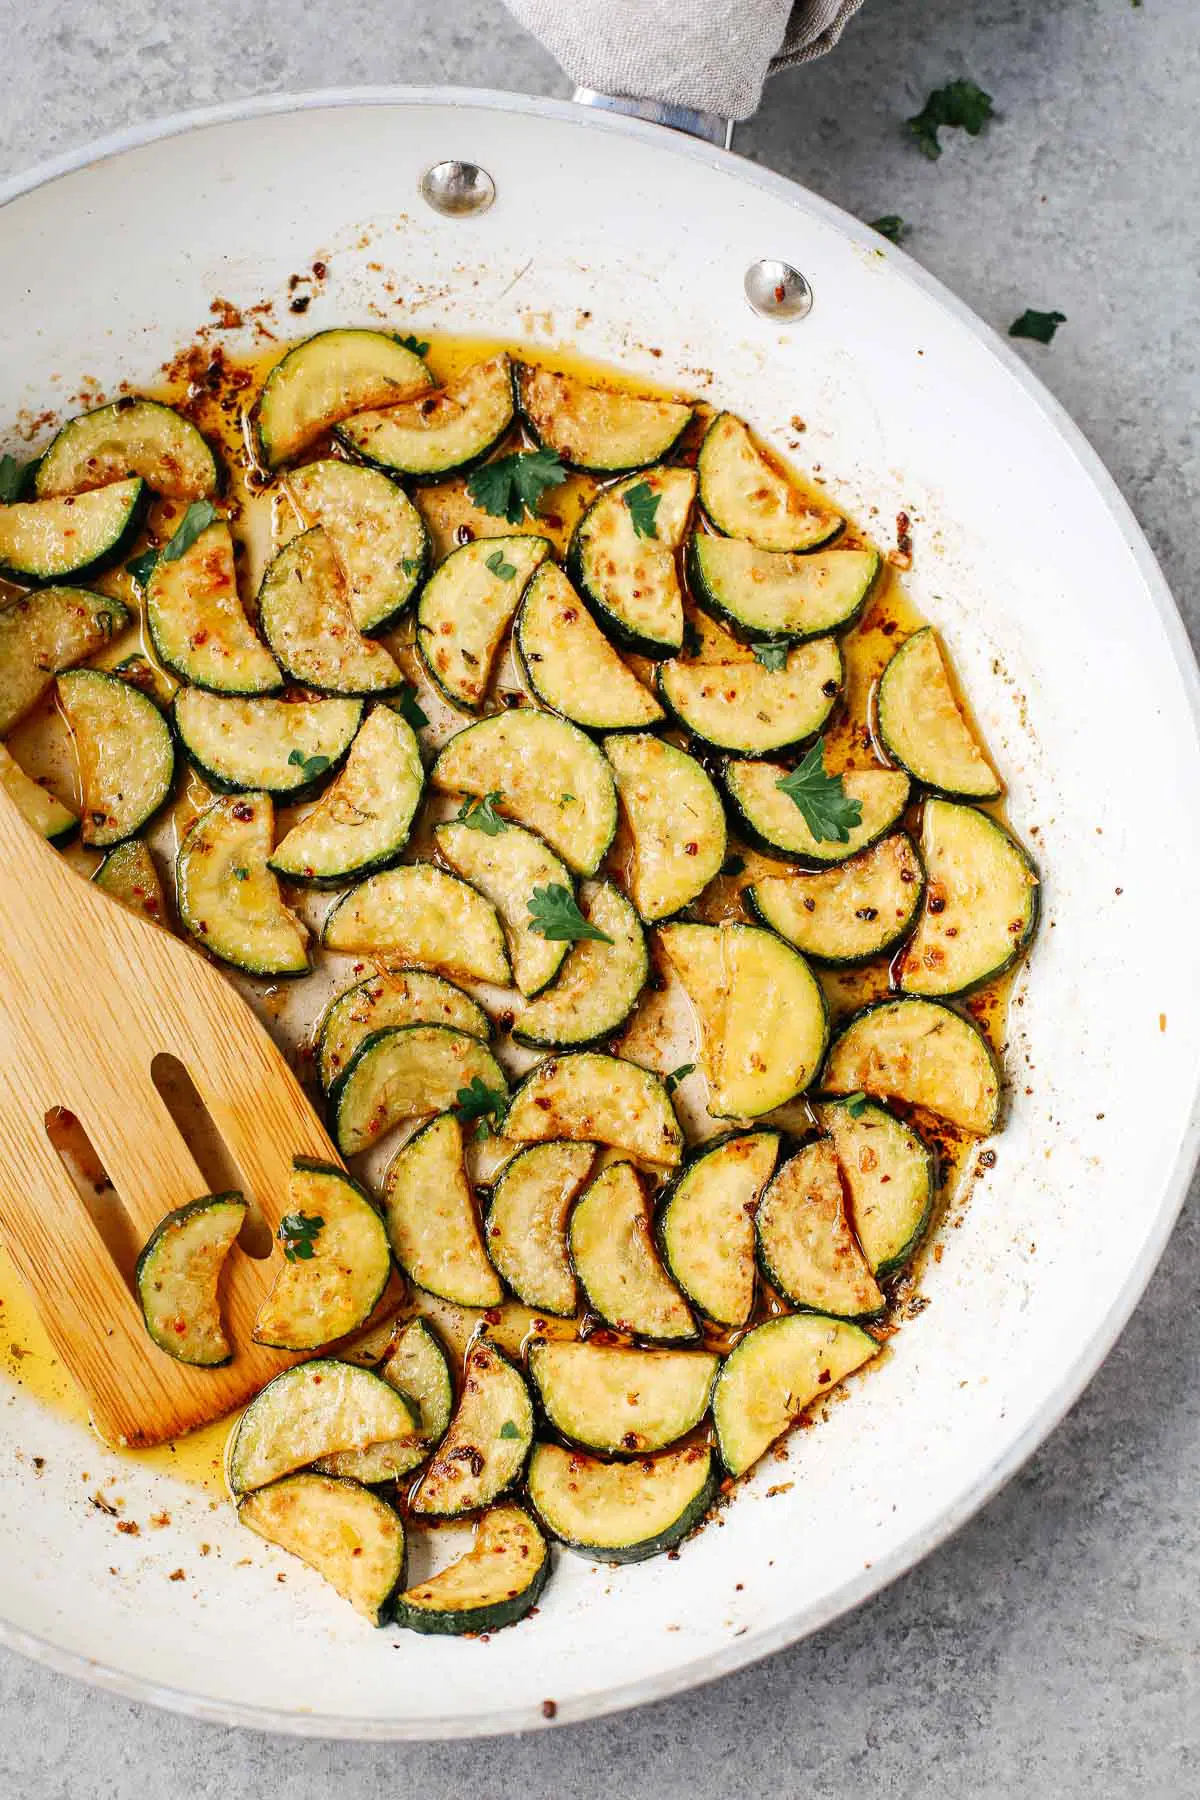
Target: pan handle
709, 126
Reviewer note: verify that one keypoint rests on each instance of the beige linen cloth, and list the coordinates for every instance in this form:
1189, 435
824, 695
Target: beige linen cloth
714, 55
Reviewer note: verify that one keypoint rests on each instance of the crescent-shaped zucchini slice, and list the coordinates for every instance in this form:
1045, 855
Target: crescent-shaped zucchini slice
805, 1245
336, 1267
496, 1583
361, 823
770, 819
401, 997
421, 914
432, 1219
922, 1052
125, 750
465, 609
405, 1072
526, 1224
484, 1450
751, 710
196, 622
507, 867
612, 1249
227, 896
774, 1372
43, 633
131, 436
47, 540
621, 1511
675, 820
923, 727
416, 1367
569, 665
706, 1225
981, 903
444, 432
378, 536
130, 874
746, 496
278, 747
600, 430
548, 775
600, 982
888, 1172
622, 559
178, 1277
309, 1411
618, 1401
775, 596
589, 1097
851, 912
305, 614
348, 1535
36, 804
327, 378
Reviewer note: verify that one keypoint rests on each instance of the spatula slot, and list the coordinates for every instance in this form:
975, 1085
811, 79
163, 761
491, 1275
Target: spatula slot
209, 1150
79, 1157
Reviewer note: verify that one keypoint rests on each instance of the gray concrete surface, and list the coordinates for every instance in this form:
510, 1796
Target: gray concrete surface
1053, 1645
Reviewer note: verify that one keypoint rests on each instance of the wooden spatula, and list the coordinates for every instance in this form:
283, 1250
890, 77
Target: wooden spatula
90, 994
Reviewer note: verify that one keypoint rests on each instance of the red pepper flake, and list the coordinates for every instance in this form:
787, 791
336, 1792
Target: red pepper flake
549, 1709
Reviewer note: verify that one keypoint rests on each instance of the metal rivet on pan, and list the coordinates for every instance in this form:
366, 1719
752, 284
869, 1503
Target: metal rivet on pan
777, 290
459, 188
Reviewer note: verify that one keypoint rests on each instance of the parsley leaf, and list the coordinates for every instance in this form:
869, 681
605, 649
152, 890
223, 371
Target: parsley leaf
409, 707
12, 477
504, 571
892, 227
298, 1234
481, 815
1040, 326
772, 656
141, 568
824, 805
409, 342
411, 565
642, 502
241, 874
509, 1429
478, 1101
553, 914
855, 1104
513, 485
309, 766
672, 1081
198, 517
961, 105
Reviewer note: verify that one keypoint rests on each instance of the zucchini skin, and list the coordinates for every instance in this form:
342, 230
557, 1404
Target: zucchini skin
179, 1216
708, 601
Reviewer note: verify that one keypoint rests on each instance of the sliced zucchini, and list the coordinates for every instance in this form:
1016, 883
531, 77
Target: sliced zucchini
618, 1401
750, 710
922, 1052
602, 1099
304, 611
277, 747
41, 634
856, 910
312, 1410
337, 1286
125, 750
774, 1372
612, 1249
130, 436
746, 496
402, 997
981, 902
806, 1248
569, 665
378, 536
327, 378
404, 1072
45, 540
416, 1366
432, 1219
36, 804
600, 983
922, 725
228, 898
706, 1226
466, 607
196, 621
496, 1583
377, 1463
548, 774
675, 820
130, 875
441, 433
178, 1278
622, 559
488, 1440
506, 868
775, 596
770, 819
421, 914
888, 1172
351, 1537
762, 1015
621, 1512
362, 822
526, 1225
601, 430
